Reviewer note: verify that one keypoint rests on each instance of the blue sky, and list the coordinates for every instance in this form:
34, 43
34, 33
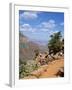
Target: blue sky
38, 26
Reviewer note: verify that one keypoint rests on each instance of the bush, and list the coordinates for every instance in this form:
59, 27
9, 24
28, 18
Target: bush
26, 68
35, 66
23, 71
36, 52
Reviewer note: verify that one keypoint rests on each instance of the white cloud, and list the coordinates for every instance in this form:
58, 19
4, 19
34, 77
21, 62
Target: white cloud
44, 27
27, 27
29, 15
49, 25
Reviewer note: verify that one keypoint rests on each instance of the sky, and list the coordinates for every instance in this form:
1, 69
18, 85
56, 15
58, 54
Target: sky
38, 26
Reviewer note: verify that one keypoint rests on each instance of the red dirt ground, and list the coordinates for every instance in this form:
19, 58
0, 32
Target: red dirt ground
47, 71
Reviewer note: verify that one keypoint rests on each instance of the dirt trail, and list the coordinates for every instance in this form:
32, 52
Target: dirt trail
47, 71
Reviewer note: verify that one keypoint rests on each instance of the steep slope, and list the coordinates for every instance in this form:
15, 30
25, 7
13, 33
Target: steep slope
26, 48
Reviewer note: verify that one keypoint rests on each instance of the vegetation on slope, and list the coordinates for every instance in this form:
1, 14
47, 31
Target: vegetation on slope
30, 57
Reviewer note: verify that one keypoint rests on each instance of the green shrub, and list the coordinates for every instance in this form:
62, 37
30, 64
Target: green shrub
26, 68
